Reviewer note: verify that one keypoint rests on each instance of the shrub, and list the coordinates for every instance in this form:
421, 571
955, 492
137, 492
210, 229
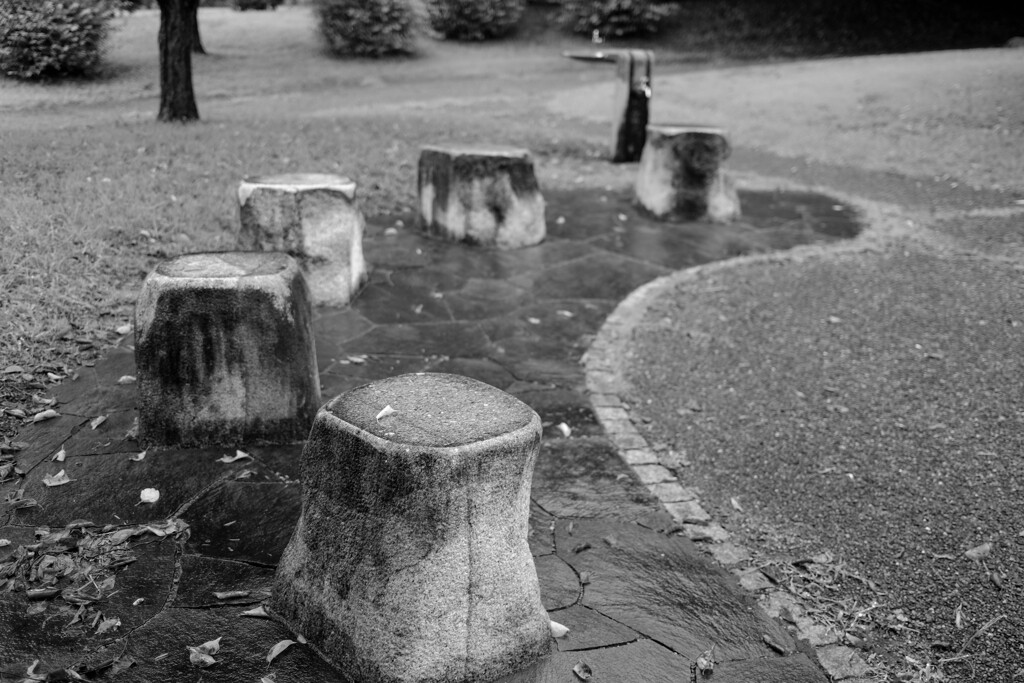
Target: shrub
52, 38
613, 18
366, 28
474, 19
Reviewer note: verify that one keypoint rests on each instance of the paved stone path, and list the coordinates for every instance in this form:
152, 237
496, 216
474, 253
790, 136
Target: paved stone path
140, 583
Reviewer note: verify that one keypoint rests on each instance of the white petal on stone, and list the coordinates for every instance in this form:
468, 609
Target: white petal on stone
210, 647
200, 659
557, 630
124, 329
278, 649
138, 601
149, 495
47, 414
138, 457
239, 455
302, 639
126, 379
60, 455
97, 421
259, 612
387, 410
58, 479
4, 542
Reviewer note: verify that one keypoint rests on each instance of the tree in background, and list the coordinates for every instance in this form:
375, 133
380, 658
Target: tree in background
177, 98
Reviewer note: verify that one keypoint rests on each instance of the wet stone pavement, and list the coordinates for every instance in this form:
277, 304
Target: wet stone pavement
93, 581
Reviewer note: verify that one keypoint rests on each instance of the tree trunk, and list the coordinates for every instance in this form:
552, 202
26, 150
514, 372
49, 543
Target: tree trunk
177, 99
197, 43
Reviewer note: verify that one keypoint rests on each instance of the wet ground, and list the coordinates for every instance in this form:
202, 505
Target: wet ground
96, 582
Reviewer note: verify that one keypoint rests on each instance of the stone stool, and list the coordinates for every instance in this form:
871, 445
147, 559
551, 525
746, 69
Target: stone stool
631, 103
481, 195
680, 175
313, 217
410, 559
224, 351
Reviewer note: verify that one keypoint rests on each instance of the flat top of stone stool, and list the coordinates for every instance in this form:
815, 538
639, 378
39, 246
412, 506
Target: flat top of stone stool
433, 410
225, 265
479, 151
297, 182
681, 128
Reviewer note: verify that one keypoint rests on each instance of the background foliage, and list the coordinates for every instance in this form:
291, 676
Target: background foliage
474, 19
366, 28
42, 39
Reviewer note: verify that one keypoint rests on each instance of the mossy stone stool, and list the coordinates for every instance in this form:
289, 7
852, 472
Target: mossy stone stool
680, 175
224, 351
481, 195
410, 559
313, 217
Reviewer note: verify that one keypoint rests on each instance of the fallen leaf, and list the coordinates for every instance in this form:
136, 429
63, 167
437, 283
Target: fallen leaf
58, 479
138, 601
138, 457
706, 661
239, 455
97, 421
557, 630
13, 369
564, 314
269, 678
108, 625
533, 321
959, 616
302, 639
385, 411
200, 659
736, 504
278, 649
979, 552
123, 329
126, 379
60, 455
259, 612
565, 429
580, 548
228, 595
210, 647
834, 320
16, 412
4, 542
582, 671
149, 496
47, 414
997, 579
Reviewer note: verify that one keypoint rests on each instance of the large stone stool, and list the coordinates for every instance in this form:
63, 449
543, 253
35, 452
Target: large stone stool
224, 351
313, 217
410, 559
631, 102
680, 175
481, 195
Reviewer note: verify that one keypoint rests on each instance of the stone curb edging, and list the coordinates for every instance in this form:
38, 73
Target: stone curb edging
606, 384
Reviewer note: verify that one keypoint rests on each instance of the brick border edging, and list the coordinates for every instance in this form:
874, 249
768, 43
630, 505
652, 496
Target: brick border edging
606, 384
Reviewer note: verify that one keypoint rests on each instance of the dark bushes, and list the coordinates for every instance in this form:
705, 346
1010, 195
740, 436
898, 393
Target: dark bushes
474, 19
52, 38
613, 18
366, 28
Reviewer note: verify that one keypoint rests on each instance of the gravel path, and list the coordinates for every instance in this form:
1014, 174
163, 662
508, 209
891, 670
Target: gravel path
852, 415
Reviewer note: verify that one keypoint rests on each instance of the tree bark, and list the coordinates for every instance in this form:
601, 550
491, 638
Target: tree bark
177, 99
197, 42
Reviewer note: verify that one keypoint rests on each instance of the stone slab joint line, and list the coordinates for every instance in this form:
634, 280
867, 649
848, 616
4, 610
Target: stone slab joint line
606, 384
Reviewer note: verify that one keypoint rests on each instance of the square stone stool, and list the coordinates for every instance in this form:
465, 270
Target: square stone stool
410, 559
313, 217
481, 195
224, 351
680, 175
